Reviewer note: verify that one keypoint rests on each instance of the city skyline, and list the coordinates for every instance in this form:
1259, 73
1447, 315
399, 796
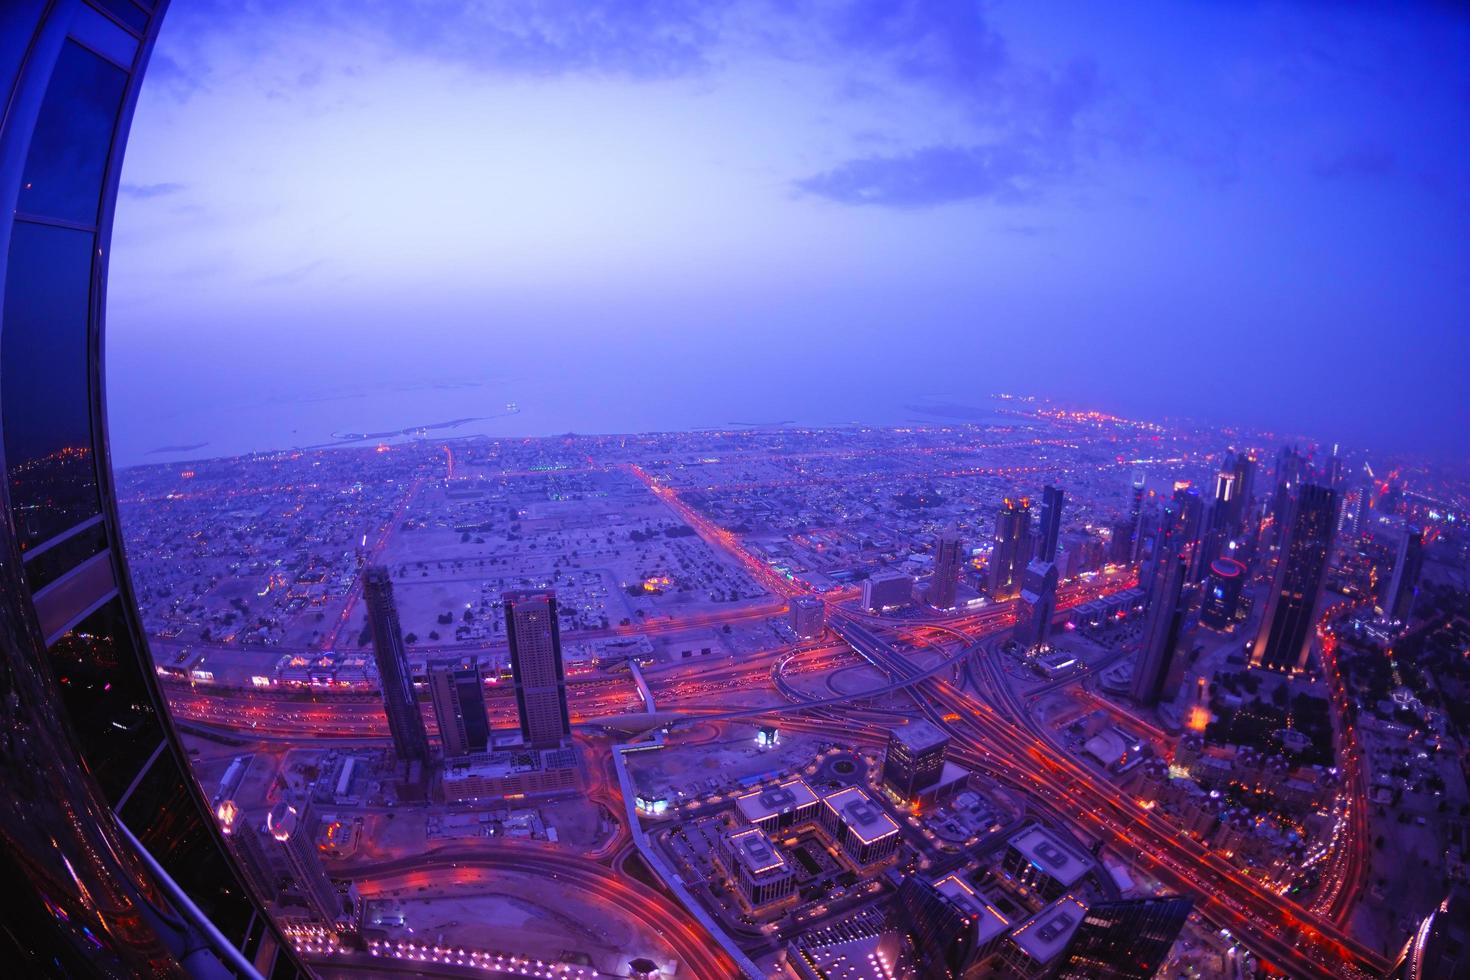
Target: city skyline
1023, 530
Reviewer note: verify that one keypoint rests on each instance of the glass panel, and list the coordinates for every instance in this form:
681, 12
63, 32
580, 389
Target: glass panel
104, 36
111, 712
57, 560
69, 148
124, 11
43, 381
172, 827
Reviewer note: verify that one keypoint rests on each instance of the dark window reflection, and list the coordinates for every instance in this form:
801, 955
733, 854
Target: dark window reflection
124, 11
43, 381
73, 136
112, 715
60, 558
171, 825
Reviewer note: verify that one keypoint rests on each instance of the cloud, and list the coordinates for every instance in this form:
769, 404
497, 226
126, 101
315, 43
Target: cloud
932, 176
1359, 162
145, 191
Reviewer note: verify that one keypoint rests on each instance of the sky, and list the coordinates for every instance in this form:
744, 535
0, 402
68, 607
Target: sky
627, 215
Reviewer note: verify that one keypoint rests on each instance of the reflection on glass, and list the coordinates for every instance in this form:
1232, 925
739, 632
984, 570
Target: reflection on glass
46, 567
168, 823
43, 362
69, 148
126, 12
97, 670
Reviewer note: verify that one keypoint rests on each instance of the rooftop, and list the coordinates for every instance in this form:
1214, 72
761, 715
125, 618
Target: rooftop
754, 849
989, 923
1043, 936
863, 817
783, 798
1048, 853
917, 736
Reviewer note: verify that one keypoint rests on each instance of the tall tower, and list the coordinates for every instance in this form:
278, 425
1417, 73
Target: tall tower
405, 721
1125, 940
947, 560
1289, 470
294, 831
1403, 586
1166, 611
1135, 507
1009, 555
1284, 641
536, 667
458, 692
1038, 603
1051, 522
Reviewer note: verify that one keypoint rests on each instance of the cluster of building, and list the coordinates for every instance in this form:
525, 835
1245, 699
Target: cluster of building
949, 927
474, 765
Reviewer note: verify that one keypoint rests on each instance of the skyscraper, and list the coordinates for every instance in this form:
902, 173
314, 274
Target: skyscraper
1135, 507
1284, 641
808, 616
1244, 503
1403, 584
948, 556
536, 667
1038, 603
1222, 594
914, 759
1051, 523
1010, 552
1124, 940
457, 689
293, 829
405, 721
1166, 611
1289, 469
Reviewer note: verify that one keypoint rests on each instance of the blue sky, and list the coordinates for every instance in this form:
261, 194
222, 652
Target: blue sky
630, 215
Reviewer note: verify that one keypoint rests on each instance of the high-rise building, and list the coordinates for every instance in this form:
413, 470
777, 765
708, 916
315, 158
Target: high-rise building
1050, 530
1120, 549
953, 927
457, 689
1124, 940
400, 703
1166, 611
914, 760
1010, 552
1403, 583
1284, 641
1244, 501
1290, 468
1222, 594
808, 615
294, 830
948, 557
1135, 507
890, 589
1038, 604
536, 667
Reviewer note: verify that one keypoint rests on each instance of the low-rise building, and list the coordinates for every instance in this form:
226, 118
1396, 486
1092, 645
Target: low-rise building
784, 805
1039, 860
860, 827
759, 871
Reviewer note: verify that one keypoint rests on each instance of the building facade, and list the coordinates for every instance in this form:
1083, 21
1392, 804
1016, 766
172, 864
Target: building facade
948, 558
914, 760
536, 668
395, 676
457, 689
1285, 639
